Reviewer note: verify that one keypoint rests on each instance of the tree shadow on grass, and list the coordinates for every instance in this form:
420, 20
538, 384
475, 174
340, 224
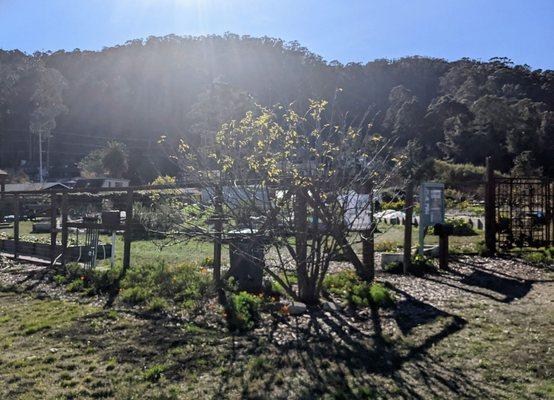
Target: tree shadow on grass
509, 288
332, 356
411, 313
328, 353
486, 282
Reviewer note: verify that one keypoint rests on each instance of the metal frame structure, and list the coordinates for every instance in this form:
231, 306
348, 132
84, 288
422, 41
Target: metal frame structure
523, 212
518, 211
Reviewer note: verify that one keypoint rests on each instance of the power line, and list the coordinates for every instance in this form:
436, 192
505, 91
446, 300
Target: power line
91, 136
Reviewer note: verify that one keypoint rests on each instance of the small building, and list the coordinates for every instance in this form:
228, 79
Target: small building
34, 186
105, 182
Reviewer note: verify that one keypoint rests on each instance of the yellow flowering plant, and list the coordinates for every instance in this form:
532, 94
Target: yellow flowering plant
289, 178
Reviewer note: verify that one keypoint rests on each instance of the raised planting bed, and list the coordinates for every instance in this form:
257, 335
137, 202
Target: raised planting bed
42, 250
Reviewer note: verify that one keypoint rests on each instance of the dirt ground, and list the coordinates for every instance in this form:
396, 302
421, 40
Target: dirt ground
484, 329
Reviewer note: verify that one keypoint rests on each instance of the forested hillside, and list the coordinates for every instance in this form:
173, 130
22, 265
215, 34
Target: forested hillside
186, 86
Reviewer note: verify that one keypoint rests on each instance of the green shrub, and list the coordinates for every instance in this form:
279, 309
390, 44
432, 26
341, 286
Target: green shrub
386, 246
421, 265
542, 256
60, 279
157, 304
184, 284
154, 373
135, 295
357, 293
76, 285
338, 283
102, 281
397, 205
75, 270
460, 227
113, 315
380, 295
244, 312
464, 205
462, 177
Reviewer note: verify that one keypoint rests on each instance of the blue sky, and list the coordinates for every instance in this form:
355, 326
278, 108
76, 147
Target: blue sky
522, 30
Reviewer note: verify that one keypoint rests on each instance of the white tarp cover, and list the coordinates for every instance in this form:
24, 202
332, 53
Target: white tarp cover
357, 211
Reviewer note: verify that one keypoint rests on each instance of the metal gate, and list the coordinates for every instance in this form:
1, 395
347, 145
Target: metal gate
523, 212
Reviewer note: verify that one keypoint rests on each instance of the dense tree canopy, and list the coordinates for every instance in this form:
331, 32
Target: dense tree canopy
185, 86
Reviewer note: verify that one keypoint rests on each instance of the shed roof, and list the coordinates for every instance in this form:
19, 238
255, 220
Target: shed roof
18, 187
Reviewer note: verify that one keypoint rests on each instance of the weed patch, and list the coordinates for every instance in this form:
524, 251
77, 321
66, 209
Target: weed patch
159, 284
244, 312
357, 293
154, 373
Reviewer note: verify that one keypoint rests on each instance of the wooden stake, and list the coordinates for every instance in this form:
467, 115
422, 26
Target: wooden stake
490, 231
128, 232
53, 228
407, 259
16, 228
65, 234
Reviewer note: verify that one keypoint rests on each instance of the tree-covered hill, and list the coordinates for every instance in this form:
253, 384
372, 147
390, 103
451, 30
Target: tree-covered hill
186, 86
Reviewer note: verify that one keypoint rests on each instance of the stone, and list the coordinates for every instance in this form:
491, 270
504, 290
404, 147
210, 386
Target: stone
297, 308
330, 306
431, 251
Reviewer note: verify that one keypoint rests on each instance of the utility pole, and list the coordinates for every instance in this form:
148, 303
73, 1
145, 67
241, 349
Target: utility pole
40, 156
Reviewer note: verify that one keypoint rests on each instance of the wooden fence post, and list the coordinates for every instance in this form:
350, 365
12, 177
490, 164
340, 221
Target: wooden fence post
128, 231
490, 189
53, 227
64, 228
2, 191
409, 207
368, 238
16, 228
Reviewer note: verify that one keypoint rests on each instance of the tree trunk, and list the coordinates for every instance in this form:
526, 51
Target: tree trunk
218, 226
306, 291
409, 203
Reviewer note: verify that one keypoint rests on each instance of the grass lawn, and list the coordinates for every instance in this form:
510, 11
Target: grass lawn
143, 251
63, 350
484, 330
